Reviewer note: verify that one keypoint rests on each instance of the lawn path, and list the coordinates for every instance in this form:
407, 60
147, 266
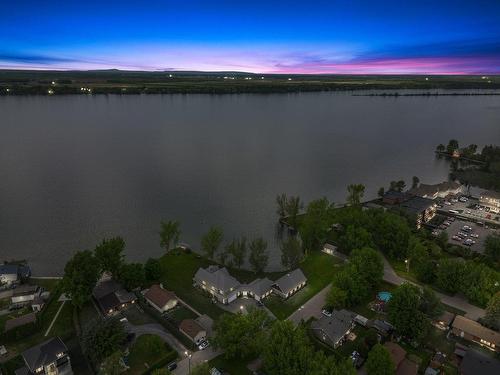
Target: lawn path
55, 318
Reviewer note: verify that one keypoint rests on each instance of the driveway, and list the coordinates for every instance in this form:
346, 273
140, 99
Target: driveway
312, 308
157, 329
196, 359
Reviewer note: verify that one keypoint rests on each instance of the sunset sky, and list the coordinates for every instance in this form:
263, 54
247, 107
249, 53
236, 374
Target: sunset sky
347, 37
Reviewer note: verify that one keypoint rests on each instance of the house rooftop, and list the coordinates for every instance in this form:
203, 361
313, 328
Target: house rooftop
259, 286
290, 281
159, 296
396, 352
44, 353
217, 277
475, 329
417, 204
446, 317
109, 294
191, 327
336, 325
20, 321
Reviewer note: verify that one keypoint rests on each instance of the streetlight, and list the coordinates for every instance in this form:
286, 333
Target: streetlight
188, 355
407, 262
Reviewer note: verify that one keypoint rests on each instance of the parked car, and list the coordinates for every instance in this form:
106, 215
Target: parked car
326, 312
203, 345
475, 235
172, 366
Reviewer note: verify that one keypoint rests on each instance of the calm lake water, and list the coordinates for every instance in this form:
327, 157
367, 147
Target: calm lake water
76, 169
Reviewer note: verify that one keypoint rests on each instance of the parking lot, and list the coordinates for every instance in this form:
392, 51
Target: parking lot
465, 209
481, 231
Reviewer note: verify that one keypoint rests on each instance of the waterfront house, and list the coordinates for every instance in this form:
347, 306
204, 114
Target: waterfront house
441, 190
290, 283
48, 358
218, 282
490, 199
26, 294
471, 330
111, 297
160, 299
422, 209
257, 289
193, 330
11, 274
333, 330
393, 197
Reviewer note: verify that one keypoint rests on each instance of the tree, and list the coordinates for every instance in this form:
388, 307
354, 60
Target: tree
355, 194
291, 252
381, 192
404, 312
169, 233
354, 237
368, 264
241, 335
80, 276
492, 318
354, 286
379, 362
238, 251
152, 269
430, 304
109, 254
113, 364
492, 247
440, 148
258, 255
390, 233
211, 241
132, 275
281, 201
450, 275
400, 185
414, 182
480, 282
222, 256
316, 224
336, 298
452, 146
293, 206
101, 338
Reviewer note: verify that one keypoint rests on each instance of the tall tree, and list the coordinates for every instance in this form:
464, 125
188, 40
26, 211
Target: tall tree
381, 192
211, 241
414, 182
132, 275
379, 362
152, 269
336, 298
258, 255
355, 194
223, 256
316, 224
355, 237
293, 206
169, 234
440, 147
109, 254
80, 276
291, 252
101, 338
452, 146
368, 264
450, 275
405, 312
238, 250
492, 318
281, 201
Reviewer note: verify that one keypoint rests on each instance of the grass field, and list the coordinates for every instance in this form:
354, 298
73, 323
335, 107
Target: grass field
319, 269
147, 351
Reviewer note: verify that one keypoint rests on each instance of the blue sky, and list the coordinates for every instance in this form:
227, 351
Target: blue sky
422, 37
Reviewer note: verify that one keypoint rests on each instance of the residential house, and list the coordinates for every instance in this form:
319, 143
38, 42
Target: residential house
290, 283
476, 362
443, 322
398, 356
329, 249
11, 274
257, 289
111, 297
26, 294
422, 209
218, 282
442, 190
48, 358
471, 330
20, 321
490, 199
161, 299
193, 330
333, 330
382, 327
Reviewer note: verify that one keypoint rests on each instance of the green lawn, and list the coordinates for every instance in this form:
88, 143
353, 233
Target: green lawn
233, 366
178, 269
319, 269
146, 352
180, 313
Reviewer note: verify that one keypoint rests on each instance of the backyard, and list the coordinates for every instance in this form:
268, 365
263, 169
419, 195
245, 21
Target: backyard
319, 269
147, 351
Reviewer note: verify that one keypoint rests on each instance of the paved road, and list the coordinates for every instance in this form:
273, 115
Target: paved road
196, 359
157, 329
312, 308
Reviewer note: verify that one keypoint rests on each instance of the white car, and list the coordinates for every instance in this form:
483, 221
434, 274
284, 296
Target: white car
447, 203
327, 313
203, 345
475, 235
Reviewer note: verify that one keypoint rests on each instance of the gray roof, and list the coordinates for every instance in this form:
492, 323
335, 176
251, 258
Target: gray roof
289, 281
217, 277
20, 321
335, 326
23, 290
417, 204
259, 286
9, 269
476, 362
110, 294
44, 353
104, 288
